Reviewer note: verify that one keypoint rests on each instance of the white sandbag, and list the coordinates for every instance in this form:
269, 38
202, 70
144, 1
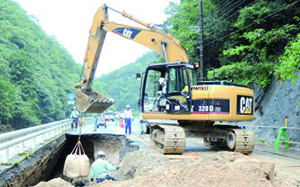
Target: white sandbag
85, 166
72, 166
77, 165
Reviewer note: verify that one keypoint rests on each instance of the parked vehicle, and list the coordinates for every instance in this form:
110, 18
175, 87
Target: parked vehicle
101, 123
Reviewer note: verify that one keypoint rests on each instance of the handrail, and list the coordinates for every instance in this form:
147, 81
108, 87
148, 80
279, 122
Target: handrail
281, 132
276, 127
14, 134
13, 142
14, 138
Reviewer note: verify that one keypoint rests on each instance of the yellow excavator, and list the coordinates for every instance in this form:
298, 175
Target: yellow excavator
172, 100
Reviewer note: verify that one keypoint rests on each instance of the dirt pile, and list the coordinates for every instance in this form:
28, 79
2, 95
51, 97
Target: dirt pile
224, 169
148, 168
140, 163
54, 183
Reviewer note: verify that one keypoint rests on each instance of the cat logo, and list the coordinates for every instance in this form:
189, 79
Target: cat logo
127, 33
245, 105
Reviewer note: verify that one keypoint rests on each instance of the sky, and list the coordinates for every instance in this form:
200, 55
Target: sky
70, 21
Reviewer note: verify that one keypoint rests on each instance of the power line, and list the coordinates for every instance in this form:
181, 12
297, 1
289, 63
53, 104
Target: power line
253, 23
226, 13
230, 17
219, 9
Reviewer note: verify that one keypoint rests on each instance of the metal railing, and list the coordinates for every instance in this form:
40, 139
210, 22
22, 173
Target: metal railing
43, 132
281, 132
19, 137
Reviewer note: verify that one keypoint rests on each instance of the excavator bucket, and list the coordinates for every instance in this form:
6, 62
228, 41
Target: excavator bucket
92, 102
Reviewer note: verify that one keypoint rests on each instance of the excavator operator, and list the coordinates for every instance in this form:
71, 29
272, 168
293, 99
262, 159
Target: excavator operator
161, 95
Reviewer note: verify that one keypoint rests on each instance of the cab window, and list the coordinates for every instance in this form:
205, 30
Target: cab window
178, 79
193, 77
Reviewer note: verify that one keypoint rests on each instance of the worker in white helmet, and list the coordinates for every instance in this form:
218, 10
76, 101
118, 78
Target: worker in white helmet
74, 116
128, 118
100, 168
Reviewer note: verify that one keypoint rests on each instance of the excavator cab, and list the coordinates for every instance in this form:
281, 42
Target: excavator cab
167, 88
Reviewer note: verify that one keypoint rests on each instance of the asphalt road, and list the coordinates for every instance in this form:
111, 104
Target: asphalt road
194, 146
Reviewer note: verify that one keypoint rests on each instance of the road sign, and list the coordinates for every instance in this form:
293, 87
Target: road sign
71, 97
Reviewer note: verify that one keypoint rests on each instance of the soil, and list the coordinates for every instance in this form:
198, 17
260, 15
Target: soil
54, 183
149, 168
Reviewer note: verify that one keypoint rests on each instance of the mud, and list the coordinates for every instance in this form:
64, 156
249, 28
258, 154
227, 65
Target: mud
148, 168
223, 169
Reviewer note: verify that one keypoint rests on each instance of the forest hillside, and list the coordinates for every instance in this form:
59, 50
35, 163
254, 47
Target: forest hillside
36, 72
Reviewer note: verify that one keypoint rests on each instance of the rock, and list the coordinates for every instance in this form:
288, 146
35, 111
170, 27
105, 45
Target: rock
268, 169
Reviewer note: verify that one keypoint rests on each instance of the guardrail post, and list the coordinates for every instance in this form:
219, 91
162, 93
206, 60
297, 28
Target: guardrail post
33, 143
22, 147
6, 155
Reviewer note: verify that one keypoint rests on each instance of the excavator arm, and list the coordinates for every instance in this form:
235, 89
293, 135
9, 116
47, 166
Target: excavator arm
162, 43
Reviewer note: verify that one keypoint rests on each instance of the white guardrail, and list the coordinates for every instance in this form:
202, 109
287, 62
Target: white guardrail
36, 135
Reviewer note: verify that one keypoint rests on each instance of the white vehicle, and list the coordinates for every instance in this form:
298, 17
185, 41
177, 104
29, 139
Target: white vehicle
109, 116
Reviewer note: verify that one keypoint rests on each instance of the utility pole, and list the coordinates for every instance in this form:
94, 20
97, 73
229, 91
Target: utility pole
201, 42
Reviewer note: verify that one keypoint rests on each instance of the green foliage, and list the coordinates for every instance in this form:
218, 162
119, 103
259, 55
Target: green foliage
290, 61
262, 140
36, 72
259, 57
8, 96
243, 73
248, 44
21, 154
7, 163
17, 162
28, 155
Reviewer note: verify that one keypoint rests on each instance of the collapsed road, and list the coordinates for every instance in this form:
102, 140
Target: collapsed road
144, 166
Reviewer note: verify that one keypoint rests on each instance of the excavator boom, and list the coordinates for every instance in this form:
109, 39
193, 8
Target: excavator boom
164, 44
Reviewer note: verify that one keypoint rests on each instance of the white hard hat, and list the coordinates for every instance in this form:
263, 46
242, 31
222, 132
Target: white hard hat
100, 153
161, 80
127, 106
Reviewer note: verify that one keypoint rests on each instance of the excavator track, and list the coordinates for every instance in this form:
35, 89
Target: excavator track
241, 140
167, 139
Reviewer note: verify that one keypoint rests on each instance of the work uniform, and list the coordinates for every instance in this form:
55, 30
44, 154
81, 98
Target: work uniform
128, 116
95, 123
99, 170
74, 116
